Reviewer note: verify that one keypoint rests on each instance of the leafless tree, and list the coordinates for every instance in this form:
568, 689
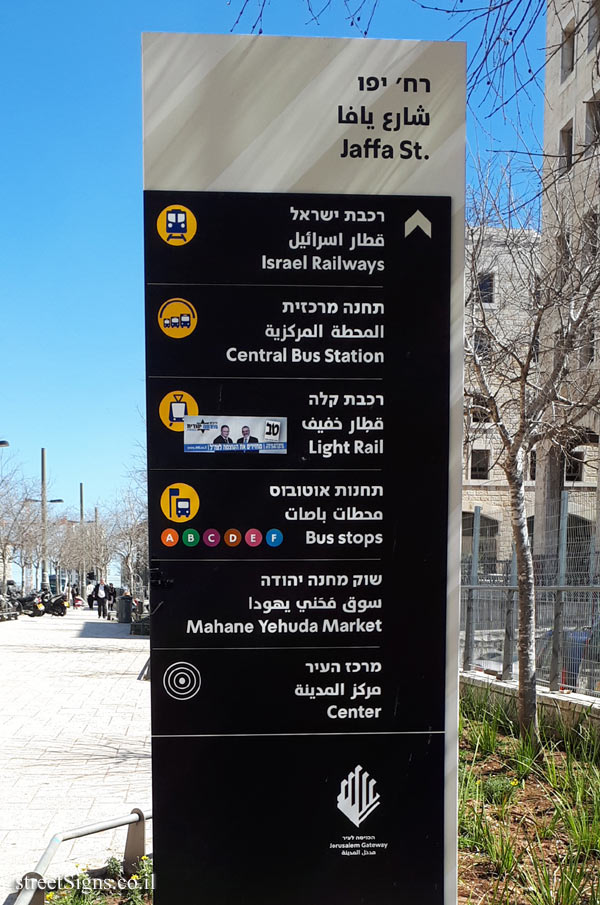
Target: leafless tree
102, 537
17, 518
130, 536
531, 378
71, 543
503, 59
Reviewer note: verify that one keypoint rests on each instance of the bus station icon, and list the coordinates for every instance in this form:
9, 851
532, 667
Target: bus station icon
177, 318
176, 225
179, 502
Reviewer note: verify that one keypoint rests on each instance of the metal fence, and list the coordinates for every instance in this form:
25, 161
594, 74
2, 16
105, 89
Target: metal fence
567, 580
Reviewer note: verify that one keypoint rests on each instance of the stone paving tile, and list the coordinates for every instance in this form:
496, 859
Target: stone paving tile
15, 818
19, 798
74, 740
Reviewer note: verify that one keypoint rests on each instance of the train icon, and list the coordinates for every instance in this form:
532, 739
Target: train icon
177, 225
178, 409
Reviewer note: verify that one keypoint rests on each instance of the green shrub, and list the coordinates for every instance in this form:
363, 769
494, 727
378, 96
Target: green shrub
498, 789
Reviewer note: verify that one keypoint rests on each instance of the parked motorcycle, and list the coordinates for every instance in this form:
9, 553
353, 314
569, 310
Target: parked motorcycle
31, 604
54, 604
7, 608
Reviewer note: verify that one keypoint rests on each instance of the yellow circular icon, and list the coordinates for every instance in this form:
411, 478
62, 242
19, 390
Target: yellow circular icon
174, 407
176, 225
177, 318
179, 502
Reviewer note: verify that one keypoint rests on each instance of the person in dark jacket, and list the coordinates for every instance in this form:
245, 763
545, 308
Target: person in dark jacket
246, 437
112, 596
223, 436
100, 595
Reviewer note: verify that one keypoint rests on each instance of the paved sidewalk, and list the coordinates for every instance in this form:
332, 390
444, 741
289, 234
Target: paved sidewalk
74, 738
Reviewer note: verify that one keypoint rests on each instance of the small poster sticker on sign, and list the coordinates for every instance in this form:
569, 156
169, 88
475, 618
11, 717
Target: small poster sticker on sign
234, 434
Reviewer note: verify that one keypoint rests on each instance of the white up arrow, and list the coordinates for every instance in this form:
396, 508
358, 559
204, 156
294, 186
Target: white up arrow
417, 220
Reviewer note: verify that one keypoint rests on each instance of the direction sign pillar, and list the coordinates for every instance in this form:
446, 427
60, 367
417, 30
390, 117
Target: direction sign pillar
304, 247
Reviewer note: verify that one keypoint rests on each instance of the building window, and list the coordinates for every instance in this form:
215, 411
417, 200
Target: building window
480, 464
485, 288
481, 344
593, 22
592, 122
480, 413
567, 51
574, 466
565, 149
532, 464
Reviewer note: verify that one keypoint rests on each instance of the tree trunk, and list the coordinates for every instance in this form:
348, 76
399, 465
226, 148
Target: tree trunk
4, 559
129, 571
526, 595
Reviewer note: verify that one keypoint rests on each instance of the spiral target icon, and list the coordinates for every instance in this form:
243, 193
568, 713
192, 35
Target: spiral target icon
182, 680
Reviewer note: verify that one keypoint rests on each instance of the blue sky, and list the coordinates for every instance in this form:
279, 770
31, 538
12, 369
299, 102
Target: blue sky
72, 357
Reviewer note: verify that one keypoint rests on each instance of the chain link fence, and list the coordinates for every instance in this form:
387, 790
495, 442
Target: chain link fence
567, 582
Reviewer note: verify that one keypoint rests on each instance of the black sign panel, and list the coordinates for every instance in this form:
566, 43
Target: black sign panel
298, 375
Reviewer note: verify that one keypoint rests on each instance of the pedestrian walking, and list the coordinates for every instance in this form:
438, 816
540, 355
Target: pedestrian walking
112, 596
100, 595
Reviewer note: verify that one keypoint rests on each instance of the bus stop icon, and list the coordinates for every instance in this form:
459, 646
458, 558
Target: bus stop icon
179, 502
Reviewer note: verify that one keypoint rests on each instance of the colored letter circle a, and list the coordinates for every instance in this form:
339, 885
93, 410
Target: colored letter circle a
177, 318
176, 225
179, 502
169, 537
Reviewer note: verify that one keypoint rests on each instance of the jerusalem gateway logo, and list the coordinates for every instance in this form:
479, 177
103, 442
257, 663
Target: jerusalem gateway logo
358, 798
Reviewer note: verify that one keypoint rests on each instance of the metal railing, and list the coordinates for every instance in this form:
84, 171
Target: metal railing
567, 606
567, 634
33, 893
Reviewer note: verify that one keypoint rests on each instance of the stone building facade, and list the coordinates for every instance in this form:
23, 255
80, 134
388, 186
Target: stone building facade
498, 290
501, 286
570, 227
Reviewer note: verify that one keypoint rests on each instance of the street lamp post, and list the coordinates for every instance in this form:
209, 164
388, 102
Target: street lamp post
45, 577
93, 564
96, 556
44, 502
3, 443
83, 582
